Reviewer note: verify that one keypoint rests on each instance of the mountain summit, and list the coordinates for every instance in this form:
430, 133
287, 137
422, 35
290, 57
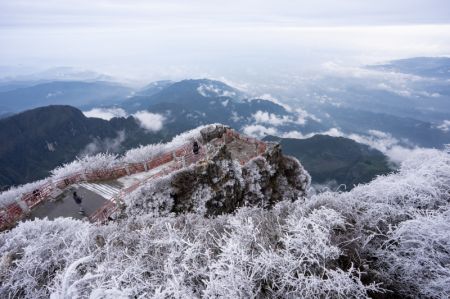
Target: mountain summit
211, 169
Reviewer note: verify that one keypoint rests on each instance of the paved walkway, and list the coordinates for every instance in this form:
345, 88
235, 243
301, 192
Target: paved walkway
101, 193
65, 206
94, 196
106, 190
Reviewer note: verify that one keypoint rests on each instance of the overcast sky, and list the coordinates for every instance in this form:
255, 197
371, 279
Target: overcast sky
153, 40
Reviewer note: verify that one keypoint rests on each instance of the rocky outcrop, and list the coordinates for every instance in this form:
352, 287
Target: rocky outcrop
221, 184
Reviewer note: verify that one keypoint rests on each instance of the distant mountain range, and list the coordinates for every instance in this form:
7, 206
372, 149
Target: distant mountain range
408, 99
27, 77
75, 93
190, 103
336, 160
364, 108
38, 140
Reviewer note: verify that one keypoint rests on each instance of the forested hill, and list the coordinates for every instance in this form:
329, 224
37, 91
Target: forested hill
336, 160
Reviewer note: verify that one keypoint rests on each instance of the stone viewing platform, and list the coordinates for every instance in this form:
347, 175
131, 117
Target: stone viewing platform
102, 190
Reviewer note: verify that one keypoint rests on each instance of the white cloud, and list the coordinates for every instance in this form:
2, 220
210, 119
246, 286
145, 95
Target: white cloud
445, 126
105, 113
376, 139
150, 121
401, 84
379, 134
211, 90
430, 94
147, 120
303, 115
235, 117
270, 118
399, 153
334, 132
293, 134
388, 145
382, 141
225, 103
259, 131
404, 92
111, 145
299, 117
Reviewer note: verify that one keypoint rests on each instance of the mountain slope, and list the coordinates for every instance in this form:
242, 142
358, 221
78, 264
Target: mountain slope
154, 87
185, 92
190, 103
38, 140
337, 159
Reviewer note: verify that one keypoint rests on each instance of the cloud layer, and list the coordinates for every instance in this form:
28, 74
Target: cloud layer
150, 121
105, 113
244, 40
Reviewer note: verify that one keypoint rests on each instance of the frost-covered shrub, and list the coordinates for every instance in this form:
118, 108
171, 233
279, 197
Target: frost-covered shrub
377, 211
389, 200
147, 152
85, 164
274, 260
14, 193
154, 199
260, 253
143, 153
415, 259
201, 196
36, 251
273, 177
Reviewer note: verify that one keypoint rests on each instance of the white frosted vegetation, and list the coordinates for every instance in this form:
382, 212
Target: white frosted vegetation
37, 251
14, 193
86, 164
391, 235
152, 199
144, 153
417, 255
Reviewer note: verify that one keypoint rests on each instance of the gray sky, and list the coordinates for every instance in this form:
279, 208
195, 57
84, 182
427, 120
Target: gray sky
151, 40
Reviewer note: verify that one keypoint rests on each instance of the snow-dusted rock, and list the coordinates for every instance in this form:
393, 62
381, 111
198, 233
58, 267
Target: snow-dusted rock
221, 185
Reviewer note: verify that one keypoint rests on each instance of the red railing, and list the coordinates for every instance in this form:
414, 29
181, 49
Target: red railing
104, 212
183, 156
